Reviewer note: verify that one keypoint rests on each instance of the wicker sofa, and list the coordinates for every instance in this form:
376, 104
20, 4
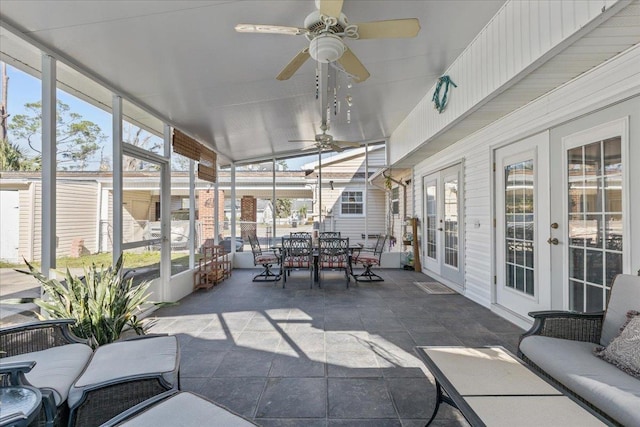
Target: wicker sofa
81, 386
561, 346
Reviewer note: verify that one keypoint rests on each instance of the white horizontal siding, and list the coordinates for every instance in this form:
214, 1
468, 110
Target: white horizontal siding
519, 38
616, 80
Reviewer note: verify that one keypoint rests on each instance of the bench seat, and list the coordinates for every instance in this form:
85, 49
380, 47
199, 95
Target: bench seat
598, 382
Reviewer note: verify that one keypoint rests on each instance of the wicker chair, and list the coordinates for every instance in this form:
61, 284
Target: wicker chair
80, 386
334, 254
369, 257
296, 253
265, 259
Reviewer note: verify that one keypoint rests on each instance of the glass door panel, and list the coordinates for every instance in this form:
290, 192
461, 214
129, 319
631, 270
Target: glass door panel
595, 220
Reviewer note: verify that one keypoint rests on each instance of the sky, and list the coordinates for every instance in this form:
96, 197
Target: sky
23, 89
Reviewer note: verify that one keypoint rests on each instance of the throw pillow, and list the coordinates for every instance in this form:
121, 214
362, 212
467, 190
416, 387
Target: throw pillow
624, 350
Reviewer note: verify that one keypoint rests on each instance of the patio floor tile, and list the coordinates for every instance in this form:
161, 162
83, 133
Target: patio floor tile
359, 398
324, 357
293, 397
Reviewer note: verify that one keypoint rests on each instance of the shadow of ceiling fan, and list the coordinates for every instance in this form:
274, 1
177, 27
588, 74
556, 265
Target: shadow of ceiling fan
326, 28
325, 142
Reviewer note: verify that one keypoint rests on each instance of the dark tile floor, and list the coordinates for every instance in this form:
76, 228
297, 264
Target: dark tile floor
324, 357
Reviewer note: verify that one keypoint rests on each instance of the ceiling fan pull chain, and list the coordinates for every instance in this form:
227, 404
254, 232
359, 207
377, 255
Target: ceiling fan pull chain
335, 101
317, 83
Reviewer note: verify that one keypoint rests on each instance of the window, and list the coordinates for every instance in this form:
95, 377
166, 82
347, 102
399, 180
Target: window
352, 203
395, 200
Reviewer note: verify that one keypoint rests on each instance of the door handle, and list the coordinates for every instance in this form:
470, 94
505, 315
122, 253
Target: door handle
440, 229
553, 241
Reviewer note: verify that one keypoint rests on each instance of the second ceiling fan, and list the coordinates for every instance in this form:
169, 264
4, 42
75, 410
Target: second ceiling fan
326, 28
325, 142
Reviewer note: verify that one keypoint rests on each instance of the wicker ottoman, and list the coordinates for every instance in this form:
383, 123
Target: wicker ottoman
121, 375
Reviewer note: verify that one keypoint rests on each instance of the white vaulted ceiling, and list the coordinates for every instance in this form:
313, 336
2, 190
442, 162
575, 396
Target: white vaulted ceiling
183, 61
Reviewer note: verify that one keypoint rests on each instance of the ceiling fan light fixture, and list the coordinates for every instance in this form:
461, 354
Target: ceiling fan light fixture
326, 48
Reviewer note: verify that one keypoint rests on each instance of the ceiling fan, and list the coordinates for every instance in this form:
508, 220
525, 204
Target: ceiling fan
324, 142
326, 28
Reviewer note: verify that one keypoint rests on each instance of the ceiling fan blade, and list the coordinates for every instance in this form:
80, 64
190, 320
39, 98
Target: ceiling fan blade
302, 140
270, 29
290, 69
393, 28
347, 144
353, 66
335, 147
331, 7
311, 147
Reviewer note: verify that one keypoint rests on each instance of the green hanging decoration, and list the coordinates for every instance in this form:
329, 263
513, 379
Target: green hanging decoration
440, 103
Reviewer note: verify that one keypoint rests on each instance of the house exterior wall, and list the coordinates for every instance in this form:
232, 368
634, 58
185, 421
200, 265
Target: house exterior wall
76, 215
609, 92
519, 38
27, 211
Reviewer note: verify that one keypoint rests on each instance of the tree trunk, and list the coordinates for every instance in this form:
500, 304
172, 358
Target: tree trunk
3, 106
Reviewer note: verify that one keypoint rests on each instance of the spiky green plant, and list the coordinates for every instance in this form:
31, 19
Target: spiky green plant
102, 303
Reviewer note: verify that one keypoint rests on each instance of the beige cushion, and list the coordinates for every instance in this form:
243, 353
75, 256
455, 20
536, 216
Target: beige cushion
56, 368
119, 360
625, 296
573, 364
186, 409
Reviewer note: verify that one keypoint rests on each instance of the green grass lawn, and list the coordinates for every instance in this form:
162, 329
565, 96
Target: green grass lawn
131, 260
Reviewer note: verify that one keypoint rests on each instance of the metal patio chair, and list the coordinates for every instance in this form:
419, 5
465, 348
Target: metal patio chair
330, 235
369, 257
265, 259
334, 253
296, 253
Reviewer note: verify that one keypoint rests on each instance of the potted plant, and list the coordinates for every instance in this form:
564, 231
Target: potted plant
103, 301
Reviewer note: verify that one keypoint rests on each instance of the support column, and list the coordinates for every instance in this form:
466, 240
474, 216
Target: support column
233, 208
274, 202
366, 194
49, 162
216, 206
117, 177
165, 217
320, 226
192, 214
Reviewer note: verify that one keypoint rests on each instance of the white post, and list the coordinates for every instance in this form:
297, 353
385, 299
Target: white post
49, 164
216, 206
192, 214
233, 208
165, 217
320, 227
273, 200
117, 176
366, 194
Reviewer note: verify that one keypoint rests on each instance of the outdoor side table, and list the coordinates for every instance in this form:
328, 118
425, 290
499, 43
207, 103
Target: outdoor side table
20, 405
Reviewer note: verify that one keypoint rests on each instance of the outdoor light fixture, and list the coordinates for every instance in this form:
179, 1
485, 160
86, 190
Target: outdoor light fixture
331, 184
326, 48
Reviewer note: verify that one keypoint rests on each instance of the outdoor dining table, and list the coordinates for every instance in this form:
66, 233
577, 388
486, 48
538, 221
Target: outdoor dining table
316, 256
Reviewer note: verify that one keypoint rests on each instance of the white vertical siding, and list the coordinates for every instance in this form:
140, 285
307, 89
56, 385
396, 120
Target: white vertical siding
76, 215
521, 36
25, 248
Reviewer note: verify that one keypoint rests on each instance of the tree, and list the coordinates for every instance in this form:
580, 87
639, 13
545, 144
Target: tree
138, 137
12, 158
78, 140
283, 208
303, 212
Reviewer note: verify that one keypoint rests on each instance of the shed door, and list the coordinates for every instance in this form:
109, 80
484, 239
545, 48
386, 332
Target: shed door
9, 225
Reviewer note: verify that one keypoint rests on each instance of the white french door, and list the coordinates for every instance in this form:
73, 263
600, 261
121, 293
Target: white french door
522, 225
442, 228
590, 204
